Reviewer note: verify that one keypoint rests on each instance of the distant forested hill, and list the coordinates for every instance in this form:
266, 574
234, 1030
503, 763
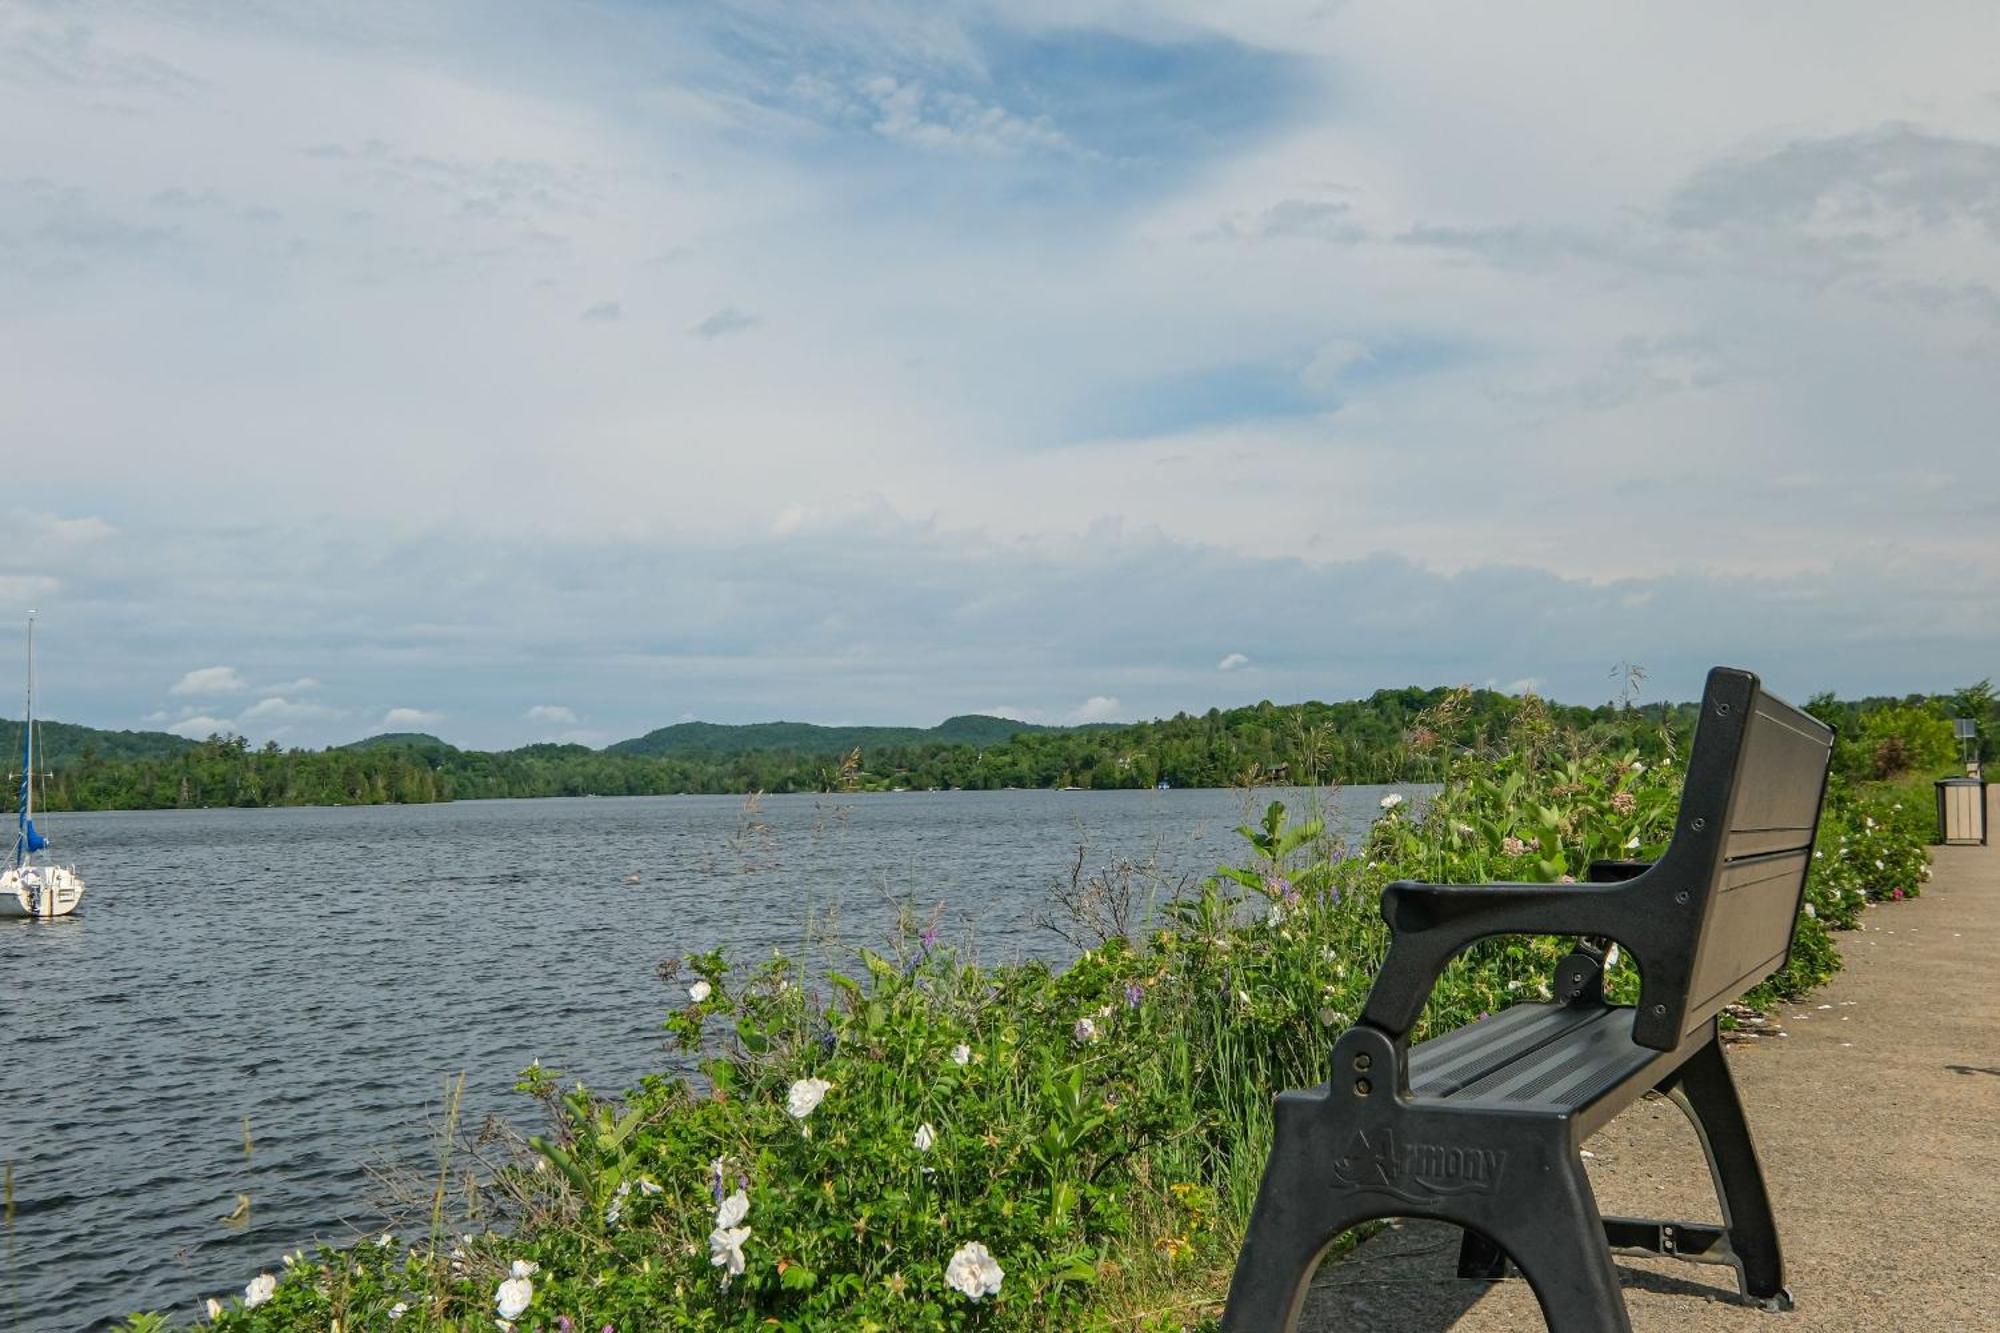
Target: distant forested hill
808, 738
61, 743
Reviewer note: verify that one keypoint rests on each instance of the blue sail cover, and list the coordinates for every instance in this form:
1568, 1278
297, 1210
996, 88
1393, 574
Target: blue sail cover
29, 840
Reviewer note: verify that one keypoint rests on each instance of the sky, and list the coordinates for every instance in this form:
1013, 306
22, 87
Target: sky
521, 372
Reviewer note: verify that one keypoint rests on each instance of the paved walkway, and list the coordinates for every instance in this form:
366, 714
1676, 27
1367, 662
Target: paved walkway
1878, 1119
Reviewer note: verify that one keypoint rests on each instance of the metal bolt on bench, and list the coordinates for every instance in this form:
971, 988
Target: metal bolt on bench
1483, 1127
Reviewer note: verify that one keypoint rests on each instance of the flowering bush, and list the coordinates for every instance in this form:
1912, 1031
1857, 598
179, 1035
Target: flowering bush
927, 1144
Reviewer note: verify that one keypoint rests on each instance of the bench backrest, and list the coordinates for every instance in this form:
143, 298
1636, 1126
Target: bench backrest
1740, 854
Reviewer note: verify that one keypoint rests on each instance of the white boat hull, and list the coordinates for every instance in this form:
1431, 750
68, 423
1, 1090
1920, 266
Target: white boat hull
39, 893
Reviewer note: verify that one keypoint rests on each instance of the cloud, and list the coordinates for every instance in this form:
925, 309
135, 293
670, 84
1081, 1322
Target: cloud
202, 726
210, 681
409, 719
1331, 362
723, 323
943, 119
298, 686
604, 312
550, 714
277, 709
1097, 708
1233, 662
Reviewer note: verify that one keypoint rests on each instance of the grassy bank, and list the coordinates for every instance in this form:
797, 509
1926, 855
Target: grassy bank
917, 1142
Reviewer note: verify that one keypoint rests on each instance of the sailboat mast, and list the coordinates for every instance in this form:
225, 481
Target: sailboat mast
21, 847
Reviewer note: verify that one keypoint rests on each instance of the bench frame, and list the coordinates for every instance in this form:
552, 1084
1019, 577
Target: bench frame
1362, 1147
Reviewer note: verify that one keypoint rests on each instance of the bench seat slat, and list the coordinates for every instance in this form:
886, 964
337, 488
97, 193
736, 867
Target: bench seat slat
1465, 1055
1540, 1056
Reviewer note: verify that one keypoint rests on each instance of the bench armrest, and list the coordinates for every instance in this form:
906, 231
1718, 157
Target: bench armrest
1431, 923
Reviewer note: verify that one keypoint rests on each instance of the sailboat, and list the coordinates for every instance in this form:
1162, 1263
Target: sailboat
37, 889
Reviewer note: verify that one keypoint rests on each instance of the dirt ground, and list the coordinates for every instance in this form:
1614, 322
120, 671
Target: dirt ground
1877, 1114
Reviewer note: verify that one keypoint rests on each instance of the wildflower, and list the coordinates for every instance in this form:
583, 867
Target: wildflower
513, 1297
1276, 916
732, 1210
1897, 894
1084, 1032
700, 991
563, 1324
973, 1272
1513, 846
523, 1268
1567, 879
961, 1054
262, 1288
384, 1241
1392, 800
1278, 886
1638, 767
214, 1308
1134, 993
926, 1137
1633, 844
648, 1187
1623, 802
1809, 910
1463, 830
805, 1095
399, 1309
1879, 865
725, 1250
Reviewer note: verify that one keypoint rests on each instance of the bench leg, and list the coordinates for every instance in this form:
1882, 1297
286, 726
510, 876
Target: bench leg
1558, 1244
1704, 1090
1301, 1210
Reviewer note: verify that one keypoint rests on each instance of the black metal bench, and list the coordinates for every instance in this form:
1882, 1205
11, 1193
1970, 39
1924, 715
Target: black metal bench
1483, 1126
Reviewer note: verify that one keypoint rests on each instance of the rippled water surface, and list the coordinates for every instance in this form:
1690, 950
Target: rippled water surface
322, 972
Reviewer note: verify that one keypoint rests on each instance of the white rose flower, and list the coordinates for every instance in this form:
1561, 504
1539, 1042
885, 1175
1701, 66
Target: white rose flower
805, 1096
973, 1272
926, 1137
214, 1308
262, 1288
731, 1211
513, 1298
961, 1054
725, 1249
700, 991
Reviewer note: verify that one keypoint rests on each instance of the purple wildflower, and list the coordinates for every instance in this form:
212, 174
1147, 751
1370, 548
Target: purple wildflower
563, 1323
930, 938
1134, 993
715, 1185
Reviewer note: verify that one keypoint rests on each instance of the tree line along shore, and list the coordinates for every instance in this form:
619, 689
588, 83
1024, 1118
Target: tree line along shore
1402, 735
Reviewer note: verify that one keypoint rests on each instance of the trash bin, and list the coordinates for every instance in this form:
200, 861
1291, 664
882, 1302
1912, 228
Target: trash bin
1961, 811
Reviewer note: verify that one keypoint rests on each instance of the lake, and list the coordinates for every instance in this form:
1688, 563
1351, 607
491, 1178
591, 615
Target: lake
324, 972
